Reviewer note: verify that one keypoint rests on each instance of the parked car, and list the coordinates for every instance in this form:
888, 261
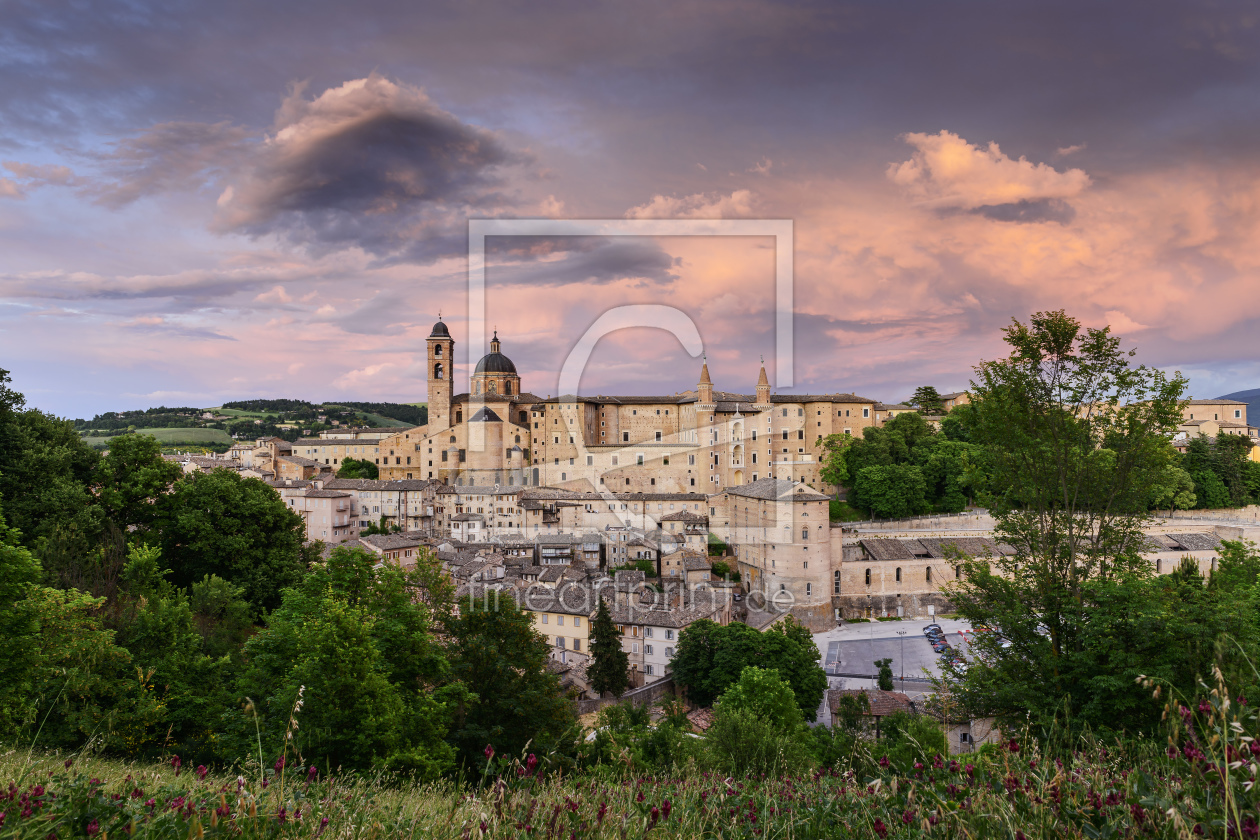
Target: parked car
931, 627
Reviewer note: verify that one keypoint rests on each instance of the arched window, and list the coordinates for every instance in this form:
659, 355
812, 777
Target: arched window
437, 350
507, 387
868, 577
835, 586
805, 533
476, 387
518, 438
929, 574
898, 574
438, 371
490, 387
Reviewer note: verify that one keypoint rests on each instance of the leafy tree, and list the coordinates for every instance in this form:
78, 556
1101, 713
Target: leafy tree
1251, 476
763, 692
742, 743
891, 492
360, 640
131, 479
610, 665
1210, 492
45, 473
907, 739
723, 570
495, 651
1231, 454
1173, 489
885, 674
835, 470
20, 572
153, 621
381, 527
1074, 437
237, 528
711, 657
928, 401
356, 468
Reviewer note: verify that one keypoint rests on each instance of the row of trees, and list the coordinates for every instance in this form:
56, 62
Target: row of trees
152, 611
905, 468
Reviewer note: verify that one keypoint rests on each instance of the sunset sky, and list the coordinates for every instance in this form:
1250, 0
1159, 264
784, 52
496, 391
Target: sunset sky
205, 201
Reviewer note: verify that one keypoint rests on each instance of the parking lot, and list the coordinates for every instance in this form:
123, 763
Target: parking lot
849, 654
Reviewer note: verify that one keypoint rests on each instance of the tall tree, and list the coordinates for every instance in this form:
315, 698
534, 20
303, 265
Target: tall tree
610, 665
496, 652
835, 471
928, 401
218, 523
710, 658
1074, 436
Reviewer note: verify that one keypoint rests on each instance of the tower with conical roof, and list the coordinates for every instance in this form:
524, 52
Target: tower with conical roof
705, 388
763, 388
440, 371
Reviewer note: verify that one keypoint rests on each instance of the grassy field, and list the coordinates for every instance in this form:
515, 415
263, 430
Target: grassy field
172, 436
1097, 791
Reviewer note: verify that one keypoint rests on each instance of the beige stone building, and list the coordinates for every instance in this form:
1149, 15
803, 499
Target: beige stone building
780, 532
697, 441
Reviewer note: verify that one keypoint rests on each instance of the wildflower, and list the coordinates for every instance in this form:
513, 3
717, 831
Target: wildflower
603, 810
282, 815
907, 817
530, 763
1013, 745
69, 763
639, 797
1204, 707
150, 802
653, 816
175, 762
883, 762
279, 764
201, 771
311, 774
880, 828
665, 808
489, 751
1019, 835
1139, 814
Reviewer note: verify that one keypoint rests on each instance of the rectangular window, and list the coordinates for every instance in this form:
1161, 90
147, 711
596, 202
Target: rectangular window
866, 412
647, 632
625, 437
614, 460
544, 618
669, 653
639, 459
590, 460
560, 620
669, 634
577, 644
577, 621
647, 649
648, 668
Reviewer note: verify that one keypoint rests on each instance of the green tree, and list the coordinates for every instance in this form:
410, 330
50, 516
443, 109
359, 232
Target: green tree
495, 650
610, 665
835, 470
711, 657
928, 401
20, 572
1173, 489
355, 468
891, 492
764, 693
1231, 454
131, 479
1074, 436
218, 523
885, 674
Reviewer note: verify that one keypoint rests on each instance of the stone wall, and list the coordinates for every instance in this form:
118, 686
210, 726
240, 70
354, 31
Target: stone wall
642, 696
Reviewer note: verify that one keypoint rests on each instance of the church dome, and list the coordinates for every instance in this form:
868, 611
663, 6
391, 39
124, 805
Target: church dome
440, 331
495, 363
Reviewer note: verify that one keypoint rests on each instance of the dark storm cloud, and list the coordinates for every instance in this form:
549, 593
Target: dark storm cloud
1042, 210
371, 164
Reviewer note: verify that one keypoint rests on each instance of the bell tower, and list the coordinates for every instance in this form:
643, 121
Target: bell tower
441, 363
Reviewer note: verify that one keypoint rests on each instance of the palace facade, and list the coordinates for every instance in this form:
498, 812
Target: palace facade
696, 441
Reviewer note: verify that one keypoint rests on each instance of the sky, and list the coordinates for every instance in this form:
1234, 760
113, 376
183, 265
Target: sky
202, 202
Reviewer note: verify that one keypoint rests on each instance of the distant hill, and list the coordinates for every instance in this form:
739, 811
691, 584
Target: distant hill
1252, 398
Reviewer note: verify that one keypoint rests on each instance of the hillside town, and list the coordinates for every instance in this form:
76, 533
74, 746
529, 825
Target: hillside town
703, 504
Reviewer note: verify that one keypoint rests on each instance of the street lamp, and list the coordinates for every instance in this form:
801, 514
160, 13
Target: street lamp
902, 634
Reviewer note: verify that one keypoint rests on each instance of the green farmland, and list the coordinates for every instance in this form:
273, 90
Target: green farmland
172, 437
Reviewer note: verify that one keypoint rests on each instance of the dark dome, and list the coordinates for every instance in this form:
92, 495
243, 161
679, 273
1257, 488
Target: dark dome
439, 331
495, 363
